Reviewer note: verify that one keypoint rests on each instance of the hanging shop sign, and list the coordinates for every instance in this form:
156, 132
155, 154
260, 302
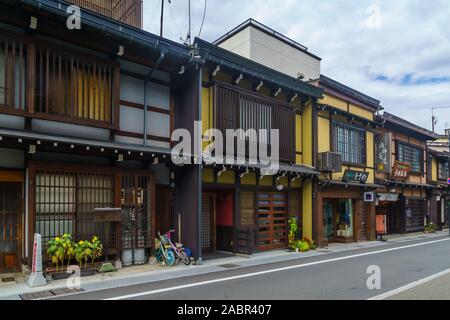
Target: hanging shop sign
381, 224
369, 196
388, 197
448, 180
401, 171
383, 152
355, 176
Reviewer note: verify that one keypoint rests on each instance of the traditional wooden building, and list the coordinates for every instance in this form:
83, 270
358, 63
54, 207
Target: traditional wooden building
438, 168
404, 202
86, 119
243, 209
345, 152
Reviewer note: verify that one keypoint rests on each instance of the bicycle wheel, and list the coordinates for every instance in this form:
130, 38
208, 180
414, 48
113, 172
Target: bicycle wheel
170, 258
185, 258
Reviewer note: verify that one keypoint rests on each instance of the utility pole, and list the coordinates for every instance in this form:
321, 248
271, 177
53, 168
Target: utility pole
189, 31
434, 118
162, 18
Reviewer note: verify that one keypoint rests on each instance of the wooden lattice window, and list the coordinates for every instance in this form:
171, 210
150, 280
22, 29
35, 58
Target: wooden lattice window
65, 202
415, 214
136, 215
73, 86
13, 56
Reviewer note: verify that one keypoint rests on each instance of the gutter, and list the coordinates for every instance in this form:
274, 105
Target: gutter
240, 69
106, 24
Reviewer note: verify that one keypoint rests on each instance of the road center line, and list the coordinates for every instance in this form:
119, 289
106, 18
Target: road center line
410, 286
248, 275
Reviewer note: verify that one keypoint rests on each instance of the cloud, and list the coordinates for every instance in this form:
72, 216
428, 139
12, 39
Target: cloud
403, 62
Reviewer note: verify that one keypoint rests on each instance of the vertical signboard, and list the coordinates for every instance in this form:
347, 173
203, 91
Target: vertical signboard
383, 153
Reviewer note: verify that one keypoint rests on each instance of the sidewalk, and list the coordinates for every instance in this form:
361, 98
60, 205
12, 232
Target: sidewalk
151, 273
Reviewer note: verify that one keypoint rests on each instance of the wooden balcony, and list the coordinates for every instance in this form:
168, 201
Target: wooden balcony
126, 11
41, 80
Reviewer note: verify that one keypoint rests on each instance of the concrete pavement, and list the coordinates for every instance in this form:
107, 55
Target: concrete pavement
150, 275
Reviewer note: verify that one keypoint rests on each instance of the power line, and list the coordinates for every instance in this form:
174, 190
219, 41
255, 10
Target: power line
175, 21
203, 19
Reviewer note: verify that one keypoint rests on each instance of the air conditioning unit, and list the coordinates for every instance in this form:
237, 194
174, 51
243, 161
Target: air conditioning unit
329, 162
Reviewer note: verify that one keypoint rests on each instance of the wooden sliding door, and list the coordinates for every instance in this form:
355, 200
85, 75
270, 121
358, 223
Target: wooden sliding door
272, 220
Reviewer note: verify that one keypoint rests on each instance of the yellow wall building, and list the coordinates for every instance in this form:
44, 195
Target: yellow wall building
345, 151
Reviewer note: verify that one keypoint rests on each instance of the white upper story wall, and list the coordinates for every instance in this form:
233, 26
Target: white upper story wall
263, 45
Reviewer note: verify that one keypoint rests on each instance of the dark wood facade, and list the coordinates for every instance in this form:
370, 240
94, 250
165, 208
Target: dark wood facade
128, 11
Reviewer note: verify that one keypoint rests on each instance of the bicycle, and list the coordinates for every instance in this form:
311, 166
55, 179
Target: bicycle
178, 248
164, 251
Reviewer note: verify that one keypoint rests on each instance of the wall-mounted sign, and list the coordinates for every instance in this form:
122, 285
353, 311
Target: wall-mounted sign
401, 171
355, 176
388, 197
381, 224
369, 196
448, 180
383, 152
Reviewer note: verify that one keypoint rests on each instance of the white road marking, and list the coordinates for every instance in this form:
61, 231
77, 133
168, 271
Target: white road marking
409, 286
248, 275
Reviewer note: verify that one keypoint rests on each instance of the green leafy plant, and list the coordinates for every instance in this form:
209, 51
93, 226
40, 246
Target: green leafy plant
293, 231
97, 249
56, 251
301, 245
61, 248
430, 228
68, 247
311, 243
83, 251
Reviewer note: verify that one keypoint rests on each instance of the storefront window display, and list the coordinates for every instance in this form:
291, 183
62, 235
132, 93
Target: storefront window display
338, 219
345, 218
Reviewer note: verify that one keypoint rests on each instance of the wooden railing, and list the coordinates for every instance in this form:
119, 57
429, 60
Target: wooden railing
236, 108
73, 86
126, 11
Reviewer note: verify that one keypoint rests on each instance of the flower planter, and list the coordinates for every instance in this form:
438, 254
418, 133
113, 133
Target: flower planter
62, 274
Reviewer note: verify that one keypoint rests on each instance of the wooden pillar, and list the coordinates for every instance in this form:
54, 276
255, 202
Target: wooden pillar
357, 212
237, 210
31, 77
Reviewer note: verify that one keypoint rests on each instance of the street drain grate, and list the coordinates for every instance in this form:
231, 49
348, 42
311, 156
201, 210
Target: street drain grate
8, 279
49, 293
229, 266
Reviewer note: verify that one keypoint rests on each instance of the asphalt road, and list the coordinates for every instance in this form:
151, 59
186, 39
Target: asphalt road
331, 276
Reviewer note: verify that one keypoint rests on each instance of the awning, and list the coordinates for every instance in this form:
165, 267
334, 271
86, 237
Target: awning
392, 183
43, 137
325, 182
293, 169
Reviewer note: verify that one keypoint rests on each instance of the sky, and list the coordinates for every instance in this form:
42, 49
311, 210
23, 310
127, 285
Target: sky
395, 51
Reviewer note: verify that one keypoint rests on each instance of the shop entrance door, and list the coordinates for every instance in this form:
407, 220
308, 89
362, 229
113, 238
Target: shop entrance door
137, 220
10, 212
272, 220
